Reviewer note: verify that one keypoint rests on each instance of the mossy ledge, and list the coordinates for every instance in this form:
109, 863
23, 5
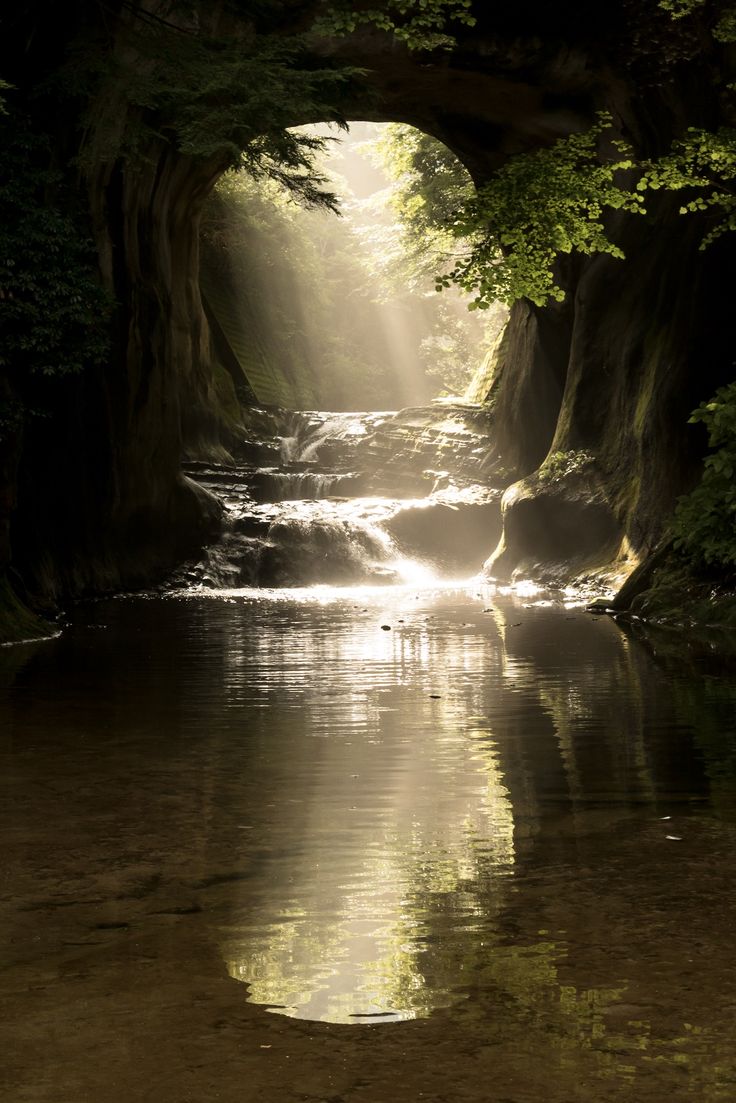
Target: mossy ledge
667, 590
18, 623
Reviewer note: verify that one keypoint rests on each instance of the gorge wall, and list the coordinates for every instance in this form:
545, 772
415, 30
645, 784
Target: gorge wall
591, 396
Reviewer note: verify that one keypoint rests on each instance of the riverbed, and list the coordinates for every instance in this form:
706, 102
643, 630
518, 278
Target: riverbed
364, 844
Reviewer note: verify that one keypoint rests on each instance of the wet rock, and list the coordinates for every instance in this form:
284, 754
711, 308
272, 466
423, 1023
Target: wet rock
316, 516
454, 536
600, 606
555, 529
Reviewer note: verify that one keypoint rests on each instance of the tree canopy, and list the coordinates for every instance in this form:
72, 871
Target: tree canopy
420, 24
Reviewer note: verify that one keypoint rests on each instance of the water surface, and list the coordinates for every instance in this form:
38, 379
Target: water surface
381, 805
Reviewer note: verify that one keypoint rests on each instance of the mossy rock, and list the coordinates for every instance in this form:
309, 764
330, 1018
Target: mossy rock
17, 621
666, 589
556, 525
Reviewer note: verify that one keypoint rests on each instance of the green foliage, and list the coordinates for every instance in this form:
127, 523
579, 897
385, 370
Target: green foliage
724, 29
429, 184
705, 519
537, 206
419, 24
704, 161
453, 349
230, 101
12, 415
559, 465
413, 217
293, 271
53, 312
680, 8
288, 159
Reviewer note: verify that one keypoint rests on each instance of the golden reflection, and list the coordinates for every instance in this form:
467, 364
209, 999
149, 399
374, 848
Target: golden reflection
355, 948
348, 836
405, 844
382, 890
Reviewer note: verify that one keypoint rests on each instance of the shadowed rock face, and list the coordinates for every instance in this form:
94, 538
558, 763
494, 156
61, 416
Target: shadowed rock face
646, 345
555, 530
614, 370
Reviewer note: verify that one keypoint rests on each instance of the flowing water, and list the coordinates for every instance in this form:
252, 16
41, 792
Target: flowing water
355, 497
485, 834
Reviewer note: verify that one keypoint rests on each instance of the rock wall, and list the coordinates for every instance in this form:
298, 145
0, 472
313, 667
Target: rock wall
101, 501
639, 345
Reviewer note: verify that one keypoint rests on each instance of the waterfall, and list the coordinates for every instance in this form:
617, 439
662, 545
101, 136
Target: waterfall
353, 498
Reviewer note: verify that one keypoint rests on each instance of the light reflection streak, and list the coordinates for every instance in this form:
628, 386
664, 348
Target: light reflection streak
408, 828
430, 588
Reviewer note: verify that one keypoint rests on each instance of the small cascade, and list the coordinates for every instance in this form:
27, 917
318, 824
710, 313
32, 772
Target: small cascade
294, 484
347, 498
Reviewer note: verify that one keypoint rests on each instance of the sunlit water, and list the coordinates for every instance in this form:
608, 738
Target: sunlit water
348, 498
384, 804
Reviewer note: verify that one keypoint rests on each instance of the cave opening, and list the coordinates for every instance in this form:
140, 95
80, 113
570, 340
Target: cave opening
312, 307
366, 453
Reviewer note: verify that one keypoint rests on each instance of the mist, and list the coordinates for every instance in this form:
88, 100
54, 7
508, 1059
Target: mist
313, 310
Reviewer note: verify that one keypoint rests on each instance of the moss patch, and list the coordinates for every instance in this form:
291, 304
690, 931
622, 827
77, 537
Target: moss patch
480, 387
648, 387
559, 465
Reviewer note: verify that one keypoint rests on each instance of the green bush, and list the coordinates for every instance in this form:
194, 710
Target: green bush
54, 313
560, 465
705, 519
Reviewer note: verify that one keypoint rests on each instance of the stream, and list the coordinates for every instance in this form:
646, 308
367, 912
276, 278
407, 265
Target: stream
346, 498
260, 822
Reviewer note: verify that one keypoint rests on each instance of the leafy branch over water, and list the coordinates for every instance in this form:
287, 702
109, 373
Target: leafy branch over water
537, 206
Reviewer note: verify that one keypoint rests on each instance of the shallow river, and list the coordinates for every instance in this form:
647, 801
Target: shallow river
361, 846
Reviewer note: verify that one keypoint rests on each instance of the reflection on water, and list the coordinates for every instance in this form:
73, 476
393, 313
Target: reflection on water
400, 808
401, 816
386, 805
